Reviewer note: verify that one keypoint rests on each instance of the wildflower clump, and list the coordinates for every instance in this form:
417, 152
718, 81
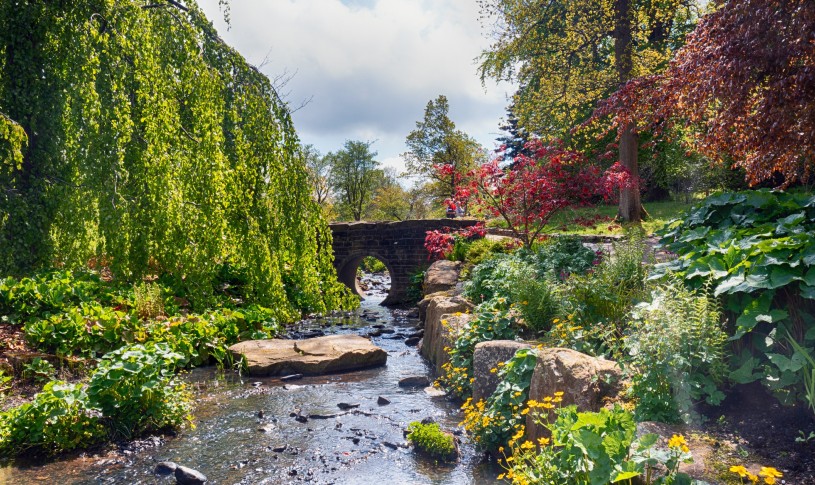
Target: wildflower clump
768, 474
490, 323
499, 420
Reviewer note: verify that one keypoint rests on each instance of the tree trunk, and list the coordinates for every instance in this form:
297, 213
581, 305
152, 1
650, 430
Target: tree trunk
630, 208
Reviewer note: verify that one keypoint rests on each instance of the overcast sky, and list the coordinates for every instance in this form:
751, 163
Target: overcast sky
368, 66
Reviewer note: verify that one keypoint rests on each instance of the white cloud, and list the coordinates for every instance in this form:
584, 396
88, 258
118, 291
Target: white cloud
369, 66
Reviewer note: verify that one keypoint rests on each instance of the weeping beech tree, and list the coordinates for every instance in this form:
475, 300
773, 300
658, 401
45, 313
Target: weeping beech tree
130, 133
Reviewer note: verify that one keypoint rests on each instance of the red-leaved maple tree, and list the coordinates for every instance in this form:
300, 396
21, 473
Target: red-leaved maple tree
535, 188
744, 83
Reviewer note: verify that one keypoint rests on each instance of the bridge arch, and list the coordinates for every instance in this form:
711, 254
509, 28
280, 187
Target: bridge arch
400, 245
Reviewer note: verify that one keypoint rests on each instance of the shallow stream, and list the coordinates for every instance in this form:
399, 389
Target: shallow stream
233, 442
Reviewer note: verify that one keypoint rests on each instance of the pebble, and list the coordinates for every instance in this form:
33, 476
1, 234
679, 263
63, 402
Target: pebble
344, 405
382, 401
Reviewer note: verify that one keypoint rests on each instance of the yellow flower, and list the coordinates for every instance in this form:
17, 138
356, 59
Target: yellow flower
559, 394
543, 441
532, 403
493, 370
501, 476
677, 441
527, 445
518, 393
770, 474
525, 411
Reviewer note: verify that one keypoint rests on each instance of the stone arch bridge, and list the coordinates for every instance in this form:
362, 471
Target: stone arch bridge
400, 245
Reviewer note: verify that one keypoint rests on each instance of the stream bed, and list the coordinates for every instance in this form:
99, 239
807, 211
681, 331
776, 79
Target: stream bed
246, 432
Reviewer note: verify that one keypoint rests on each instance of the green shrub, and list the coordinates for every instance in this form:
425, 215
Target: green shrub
415, 290
430, 439
757, 249
147, 300
372, 265
39, 370
59, 419
88, 330
539, 302
492, 278
594, 449
561, 256
481, 249
677, 350
600, 301
136, 391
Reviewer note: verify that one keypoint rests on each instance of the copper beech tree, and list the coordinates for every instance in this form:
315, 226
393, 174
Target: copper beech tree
744, 84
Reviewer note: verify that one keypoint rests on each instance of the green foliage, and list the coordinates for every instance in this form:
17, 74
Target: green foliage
493, 278
538, 301
601, 300
87, 330
588, 448
59, 419
135, 389
372, 265
492, 423
415, 290
561, 256
482, 249
147, 300
132, 134
38, 370
491, 322
440, 152
430, 439
757, 250
354, 177
677, 348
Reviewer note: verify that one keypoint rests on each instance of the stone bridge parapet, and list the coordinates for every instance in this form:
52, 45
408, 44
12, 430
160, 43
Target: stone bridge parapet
400, 245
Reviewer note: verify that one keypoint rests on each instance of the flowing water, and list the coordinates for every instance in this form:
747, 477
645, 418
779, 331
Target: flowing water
233, 442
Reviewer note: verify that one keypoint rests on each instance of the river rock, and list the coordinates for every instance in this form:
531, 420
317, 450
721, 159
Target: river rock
383, 401
412, 341
441, 276
487, 356
345, 406
444, 319
321, 355
414, 381
188, 476
165, 468
584, 381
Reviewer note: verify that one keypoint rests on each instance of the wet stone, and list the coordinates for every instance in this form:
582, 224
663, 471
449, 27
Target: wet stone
165, 468
188, 476
414, 381
382, 401
344, 405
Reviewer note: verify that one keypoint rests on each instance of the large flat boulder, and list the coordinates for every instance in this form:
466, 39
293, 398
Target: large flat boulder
314, 356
